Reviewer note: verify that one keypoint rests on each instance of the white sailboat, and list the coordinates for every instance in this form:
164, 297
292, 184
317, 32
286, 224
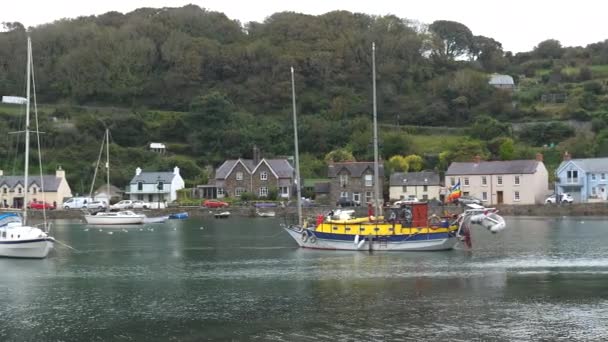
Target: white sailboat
107, 217
17, 239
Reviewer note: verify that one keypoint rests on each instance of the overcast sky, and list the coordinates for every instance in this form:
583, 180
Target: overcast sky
519, 25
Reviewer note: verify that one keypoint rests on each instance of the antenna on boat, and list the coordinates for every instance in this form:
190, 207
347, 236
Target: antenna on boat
377, 206
295, 137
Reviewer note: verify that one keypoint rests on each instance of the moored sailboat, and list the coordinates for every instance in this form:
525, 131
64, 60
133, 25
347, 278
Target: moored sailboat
17, 239
408, 228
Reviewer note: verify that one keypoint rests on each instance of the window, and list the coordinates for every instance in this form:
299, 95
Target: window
466, 181
452, 181
484, 180
499, 180
516, 180
368, 196
343, 194
238, 192
239, 175
34, 190
594, 191
368, 180
343, 180
484, 196
19, 190
516, 196
220, 191
284, 191
572, 176
264, 176
140, 186
357, 197
263, 191
603, 176
140, 197
150, 198
593, 176
425, 197
465, 193
160, 186
404, 188
425, 188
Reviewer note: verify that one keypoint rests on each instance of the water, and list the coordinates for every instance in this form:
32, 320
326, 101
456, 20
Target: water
244, 279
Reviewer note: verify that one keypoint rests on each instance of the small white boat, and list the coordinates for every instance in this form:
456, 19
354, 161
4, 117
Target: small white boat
158, 219
118, 217
222, 214
265, 213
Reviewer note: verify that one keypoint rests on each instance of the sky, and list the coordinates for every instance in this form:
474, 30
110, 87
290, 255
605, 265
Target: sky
518, 24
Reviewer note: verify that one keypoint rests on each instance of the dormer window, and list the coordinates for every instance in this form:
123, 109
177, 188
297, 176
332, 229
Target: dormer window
239, 176
140, 186
263, 175
368, 180
343, 180
34, 190
4, 190
19, 190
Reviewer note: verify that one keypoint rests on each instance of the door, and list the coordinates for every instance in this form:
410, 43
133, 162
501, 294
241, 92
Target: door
499, 197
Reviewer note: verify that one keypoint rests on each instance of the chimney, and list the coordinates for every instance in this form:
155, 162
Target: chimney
59, 173
138, 171
477, 159
176, 170
539, 157
256, 155
566, 156
1, 173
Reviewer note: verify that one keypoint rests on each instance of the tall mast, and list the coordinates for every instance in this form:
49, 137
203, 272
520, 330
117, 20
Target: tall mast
295, 137
27, 130
108, 165
378, 207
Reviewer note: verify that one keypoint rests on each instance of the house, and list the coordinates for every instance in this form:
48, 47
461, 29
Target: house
158, 147
354, 180
155, 187
257, 176
502, 82
585, 179
102, 192
424, 185
498, 182
51, 189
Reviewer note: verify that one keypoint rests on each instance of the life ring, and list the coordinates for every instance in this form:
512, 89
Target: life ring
313, 239
304, 236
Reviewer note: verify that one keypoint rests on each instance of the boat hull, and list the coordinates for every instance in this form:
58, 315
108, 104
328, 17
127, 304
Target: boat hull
349, 242
35, 248
109, 220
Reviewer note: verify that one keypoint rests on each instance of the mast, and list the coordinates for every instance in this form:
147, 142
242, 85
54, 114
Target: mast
27, 130
108, 166
377, 206
295, 137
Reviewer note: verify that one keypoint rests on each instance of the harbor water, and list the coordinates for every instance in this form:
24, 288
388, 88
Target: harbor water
245, 279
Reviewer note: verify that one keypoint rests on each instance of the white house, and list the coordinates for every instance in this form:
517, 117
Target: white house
424, 185
155, 187
502, 81
158, 147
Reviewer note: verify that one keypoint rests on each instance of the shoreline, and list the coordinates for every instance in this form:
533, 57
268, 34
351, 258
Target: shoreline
581, 209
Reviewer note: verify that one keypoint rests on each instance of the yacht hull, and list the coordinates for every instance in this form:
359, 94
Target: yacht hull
113, 220
35, 248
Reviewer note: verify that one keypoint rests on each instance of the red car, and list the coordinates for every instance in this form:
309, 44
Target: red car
40, 205
214, 204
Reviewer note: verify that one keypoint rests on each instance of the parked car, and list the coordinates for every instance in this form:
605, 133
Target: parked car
40, 205
346, 202
141, 205
96, 204
409, 200
124, 204
468, 200
565, 198
76, 202
213, 203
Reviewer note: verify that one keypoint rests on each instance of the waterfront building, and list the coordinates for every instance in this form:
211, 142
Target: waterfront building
425, 185
353, 182
50, 188
585, 179
155, 187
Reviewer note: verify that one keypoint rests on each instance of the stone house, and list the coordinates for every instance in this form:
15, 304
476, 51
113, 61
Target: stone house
498, 182
51, 189
354, 180
423, 185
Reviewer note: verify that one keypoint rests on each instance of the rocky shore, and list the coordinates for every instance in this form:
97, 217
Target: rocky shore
595, 209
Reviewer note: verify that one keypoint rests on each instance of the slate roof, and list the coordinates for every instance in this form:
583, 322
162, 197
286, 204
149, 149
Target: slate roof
589, 164
153, 177
280, 166
51, 182
415, 178
497, 79
493, 167
355, 169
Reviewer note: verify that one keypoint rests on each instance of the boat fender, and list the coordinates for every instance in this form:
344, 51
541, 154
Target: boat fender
304, 236
361, 243
313, 239
357, 240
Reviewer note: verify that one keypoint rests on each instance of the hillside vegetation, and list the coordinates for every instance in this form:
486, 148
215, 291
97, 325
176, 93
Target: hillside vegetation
211, 88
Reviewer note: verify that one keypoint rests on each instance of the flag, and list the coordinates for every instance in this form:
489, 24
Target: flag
454, 192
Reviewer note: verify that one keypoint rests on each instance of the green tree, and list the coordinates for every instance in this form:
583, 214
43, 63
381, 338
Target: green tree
415, 162
398, 164
339, 155
507, 149
453, 39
